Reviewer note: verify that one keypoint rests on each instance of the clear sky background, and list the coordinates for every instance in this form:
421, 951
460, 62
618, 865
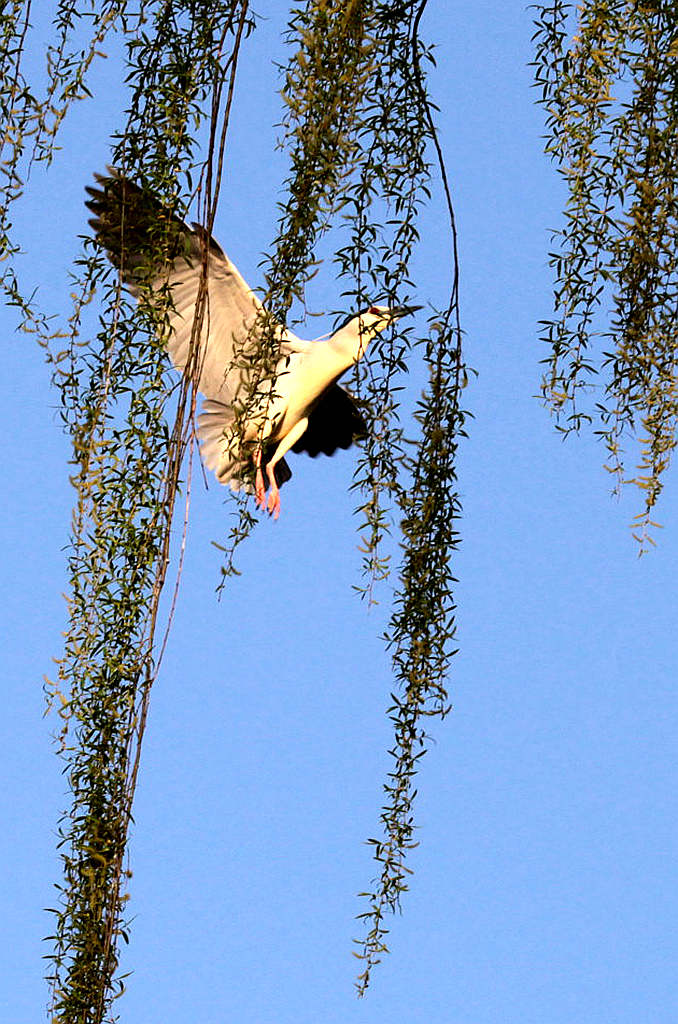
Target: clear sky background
544, 886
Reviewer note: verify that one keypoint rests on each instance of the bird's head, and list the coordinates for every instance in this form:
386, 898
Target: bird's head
357, 332
374, 319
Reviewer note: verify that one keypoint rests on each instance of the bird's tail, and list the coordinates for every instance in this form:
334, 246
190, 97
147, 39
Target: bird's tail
220, 449
219, 445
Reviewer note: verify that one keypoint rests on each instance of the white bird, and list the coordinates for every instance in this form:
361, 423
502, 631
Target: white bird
247, 425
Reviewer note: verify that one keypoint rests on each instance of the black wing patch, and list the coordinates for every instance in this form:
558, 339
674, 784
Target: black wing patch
335, 422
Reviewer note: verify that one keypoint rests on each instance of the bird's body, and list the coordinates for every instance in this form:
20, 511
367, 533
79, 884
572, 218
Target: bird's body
252, 415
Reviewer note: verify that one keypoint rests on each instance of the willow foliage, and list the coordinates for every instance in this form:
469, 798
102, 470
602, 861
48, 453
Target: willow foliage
380, 205
360, 136
608, 76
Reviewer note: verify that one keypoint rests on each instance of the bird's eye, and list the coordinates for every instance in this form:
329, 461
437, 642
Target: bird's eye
375, 310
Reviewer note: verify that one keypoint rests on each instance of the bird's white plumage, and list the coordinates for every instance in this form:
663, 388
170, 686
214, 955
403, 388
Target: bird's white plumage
231, 313
229, 330
254, 412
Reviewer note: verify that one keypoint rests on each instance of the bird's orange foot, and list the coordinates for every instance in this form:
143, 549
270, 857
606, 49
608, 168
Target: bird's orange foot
274, 500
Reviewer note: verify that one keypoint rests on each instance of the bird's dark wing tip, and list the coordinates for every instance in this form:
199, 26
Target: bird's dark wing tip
282, 473
201, 233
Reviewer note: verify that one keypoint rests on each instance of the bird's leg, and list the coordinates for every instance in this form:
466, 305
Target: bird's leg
259, 487
284, 446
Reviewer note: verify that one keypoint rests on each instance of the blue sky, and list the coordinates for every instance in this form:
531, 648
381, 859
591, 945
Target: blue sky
544, 886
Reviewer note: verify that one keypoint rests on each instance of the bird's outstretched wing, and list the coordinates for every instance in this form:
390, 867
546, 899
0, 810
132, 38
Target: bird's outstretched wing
131, 223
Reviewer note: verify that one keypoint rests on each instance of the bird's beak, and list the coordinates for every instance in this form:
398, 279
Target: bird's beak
404, 311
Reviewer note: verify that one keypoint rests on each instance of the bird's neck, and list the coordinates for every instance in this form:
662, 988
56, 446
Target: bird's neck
350, 345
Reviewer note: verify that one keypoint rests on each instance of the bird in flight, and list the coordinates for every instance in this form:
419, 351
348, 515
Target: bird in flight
255, 410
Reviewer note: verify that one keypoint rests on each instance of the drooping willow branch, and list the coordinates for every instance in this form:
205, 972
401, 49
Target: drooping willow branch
417, 475
20, 118
607, 76
129, 440
322, 88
